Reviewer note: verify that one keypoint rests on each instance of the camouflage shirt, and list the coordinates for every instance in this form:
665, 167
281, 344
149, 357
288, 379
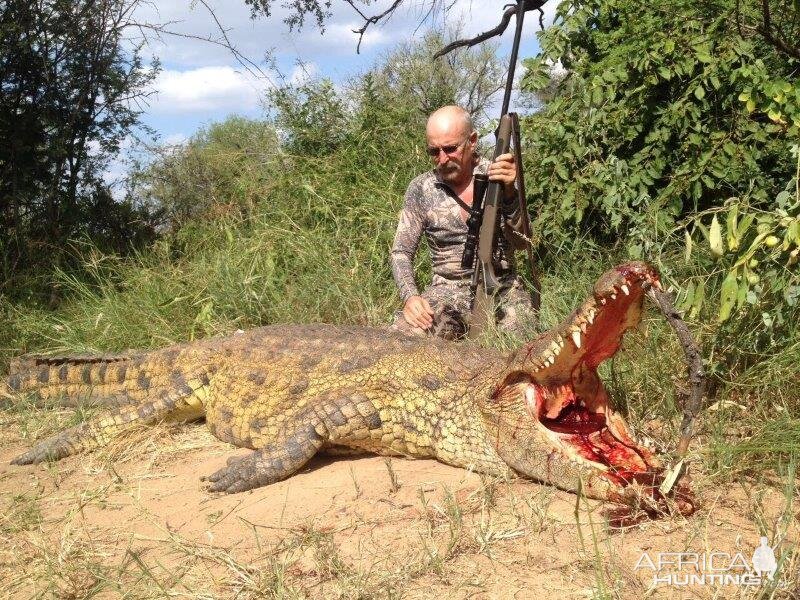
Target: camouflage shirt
432, 207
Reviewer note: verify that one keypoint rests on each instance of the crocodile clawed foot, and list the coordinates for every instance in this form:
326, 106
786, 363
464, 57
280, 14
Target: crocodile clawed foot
637, 504
51, 449
240, 475
33, 456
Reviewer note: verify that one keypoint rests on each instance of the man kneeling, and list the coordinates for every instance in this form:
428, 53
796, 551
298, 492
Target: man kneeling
437, 203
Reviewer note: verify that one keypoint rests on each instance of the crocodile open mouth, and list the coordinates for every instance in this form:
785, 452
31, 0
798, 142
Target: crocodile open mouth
580, 423
563, 392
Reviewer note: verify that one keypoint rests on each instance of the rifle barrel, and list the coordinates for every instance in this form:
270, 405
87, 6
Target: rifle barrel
514, 52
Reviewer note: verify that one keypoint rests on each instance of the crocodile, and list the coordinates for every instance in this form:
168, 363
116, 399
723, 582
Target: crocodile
290, 391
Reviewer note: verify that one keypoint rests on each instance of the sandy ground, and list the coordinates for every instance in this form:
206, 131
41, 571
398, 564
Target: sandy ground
134, 520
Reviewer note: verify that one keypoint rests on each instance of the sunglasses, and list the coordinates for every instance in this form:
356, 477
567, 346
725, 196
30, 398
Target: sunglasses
433, 151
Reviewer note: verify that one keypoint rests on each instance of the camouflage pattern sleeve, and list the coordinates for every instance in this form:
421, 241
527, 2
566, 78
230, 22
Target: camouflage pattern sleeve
406, 240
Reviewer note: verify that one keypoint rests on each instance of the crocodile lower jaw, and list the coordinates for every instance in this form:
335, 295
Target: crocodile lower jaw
589, 433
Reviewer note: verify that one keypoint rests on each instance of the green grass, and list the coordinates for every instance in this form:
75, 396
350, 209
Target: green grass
741, 445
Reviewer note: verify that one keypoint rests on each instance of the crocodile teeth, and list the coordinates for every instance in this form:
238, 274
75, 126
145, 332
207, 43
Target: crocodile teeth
625, 290
590, 316
583, 327
576, 338
603, 301
613, 295
550, 360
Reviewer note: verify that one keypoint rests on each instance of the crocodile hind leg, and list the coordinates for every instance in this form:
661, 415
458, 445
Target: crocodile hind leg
347, 420
173, 405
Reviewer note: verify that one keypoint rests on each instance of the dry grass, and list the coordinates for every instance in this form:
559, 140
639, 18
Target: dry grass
132, 520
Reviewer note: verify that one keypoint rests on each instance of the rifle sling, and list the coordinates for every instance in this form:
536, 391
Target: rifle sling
455, 197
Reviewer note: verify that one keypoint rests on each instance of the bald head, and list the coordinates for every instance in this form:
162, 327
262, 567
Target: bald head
449, 121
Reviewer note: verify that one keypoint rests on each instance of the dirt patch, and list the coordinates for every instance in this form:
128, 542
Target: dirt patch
135, 519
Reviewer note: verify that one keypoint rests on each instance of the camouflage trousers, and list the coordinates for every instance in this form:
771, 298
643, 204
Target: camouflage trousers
451, 303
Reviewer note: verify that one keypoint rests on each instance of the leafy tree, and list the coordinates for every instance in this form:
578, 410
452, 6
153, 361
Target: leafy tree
649, 119
315, 118
312, 116
469, 78
318, 10
220, 172
68, 97
360, 127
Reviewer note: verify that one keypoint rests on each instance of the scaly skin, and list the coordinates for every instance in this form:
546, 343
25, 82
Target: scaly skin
289, 391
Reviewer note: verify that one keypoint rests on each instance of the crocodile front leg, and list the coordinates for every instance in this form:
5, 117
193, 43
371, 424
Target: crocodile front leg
349, 420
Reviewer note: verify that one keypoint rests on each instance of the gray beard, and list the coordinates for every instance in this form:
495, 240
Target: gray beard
449, 172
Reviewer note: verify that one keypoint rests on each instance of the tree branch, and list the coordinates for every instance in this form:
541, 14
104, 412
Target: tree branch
497, 31
772, 34
241, 58
779, 43
162, 28
373, 20
694, 365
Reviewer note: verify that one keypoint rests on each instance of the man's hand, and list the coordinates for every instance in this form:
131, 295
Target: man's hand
418, 312
504, 170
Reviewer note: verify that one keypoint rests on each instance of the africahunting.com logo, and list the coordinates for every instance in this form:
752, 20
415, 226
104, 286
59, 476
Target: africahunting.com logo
711, 568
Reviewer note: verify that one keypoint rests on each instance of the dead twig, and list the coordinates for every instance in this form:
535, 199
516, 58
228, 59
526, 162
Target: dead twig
374, 19
694, 365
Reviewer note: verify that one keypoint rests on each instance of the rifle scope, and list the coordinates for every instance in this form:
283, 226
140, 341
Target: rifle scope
479, 186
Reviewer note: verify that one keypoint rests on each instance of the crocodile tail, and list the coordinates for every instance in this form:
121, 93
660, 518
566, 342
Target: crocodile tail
183, 404
108, 380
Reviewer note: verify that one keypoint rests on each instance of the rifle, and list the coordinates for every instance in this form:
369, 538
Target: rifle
484, 283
